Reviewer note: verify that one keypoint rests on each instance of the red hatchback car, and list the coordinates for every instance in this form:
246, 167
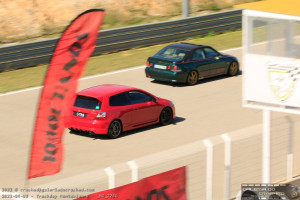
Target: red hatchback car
112, 109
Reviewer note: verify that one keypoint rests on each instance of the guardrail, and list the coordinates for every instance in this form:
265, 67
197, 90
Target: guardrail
40, 52
216, 167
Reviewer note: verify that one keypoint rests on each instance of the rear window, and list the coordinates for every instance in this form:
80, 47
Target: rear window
87, 102
172, 53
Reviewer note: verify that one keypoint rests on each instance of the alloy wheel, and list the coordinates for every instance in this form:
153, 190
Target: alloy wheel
115, 129
166, 116
233, 69
192, 78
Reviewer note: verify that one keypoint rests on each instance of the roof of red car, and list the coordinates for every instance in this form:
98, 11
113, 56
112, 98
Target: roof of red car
104, 90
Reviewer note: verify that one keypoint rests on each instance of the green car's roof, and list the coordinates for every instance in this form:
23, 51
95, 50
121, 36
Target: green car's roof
187, 46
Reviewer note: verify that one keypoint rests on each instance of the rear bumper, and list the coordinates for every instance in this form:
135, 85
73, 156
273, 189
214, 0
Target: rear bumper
163, 75
95, 126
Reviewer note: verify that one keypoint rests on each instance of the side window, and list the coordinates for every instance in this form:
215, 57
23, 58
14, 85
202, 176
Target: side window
119, 100
210, 53
198, 55
138, 97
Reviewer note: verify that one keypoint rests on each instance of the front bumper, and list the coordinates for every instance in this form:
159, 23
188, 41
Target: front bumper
163, 75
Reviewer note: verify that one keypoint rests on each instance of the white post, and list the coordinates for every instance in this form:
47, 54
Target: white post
290, 156
227, 163
111, 177
185, 8
134, 170
289, 42
266, 145
247, 33
209, 168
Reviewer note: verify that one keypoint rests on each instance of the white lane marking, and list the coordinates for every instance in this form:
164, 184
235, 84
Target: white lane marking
96, 76
84, 78
232, 49
19, 91
134, 170
110, 73
111, 177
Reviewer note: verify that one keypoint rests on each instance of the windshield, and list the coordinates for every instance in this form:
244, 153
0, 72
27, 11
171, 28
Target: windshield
172, 53
87, 102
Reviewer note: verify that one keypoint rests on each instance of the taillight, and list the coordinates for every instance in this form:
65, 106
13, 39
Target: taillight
176, 68
149, 64
101, 115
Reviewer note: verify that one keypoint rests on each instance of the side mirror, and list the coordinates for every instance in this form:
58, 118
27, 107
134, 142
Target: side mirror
154, 100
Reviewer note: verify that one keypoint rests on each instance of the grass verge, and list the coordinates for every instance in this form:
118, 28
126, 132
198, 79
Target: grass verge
34, 76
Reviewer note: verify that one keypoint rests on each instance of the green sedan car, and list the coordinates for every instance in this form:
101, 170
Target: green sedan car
187, 63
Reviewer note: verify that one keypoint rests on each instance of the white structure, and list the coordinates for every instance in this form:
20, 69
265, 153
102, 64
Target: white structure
271, 63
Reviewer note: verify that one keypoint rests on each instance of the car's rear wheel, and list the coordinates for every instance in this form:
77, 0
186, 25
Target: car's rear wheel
115, 129
166, 116
233, 69
192, 78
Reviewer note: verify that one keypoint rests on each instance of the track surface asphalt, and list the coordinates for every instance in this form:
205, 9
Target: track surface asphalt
212, 107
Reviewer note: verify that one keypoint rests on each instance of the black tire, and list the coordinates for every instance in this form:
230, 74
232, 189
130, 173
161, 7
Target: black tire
166, 116
233, 69
192, 78
115, 129
71, 130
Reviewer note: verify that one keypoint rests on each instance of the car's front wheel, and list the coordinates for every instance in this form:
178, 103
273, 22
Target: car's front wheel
192, 78
166, 116
233, 69
115, 129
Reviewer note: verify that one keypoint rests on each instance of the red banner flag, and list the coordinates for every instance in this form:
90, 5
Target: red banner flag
67, 64
167, 185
